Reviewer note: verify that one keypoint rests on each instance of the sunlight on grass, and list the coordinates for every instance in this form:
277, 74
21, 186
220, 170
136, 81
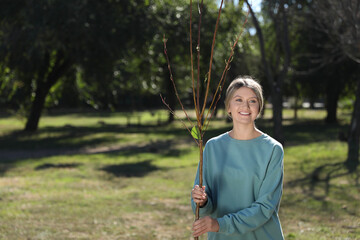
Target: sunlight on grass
90, 176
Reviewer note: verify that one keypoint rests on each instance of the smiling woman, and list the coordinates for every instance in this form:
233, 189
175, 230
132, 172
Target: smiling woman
243, 106
244, 90
243, 174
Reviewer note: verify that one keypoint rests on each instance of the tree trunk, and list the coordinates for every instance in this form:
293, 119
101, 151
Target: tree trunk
354, 135
277, 114
276, 85
296, 103
331, 109
43, 86
332, 97
36, 108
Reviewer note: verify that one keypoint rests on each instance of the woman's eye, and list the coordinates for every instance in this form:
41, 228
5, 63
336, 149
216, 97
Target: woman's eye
239, 100
252, 101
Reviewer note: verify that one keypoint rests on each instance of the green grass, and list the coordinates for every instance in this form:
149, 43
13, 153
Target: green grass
97, 176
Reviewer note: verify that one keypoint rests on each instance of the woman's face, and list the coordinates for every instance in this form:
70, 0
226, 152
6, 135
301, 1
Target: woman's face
244, 106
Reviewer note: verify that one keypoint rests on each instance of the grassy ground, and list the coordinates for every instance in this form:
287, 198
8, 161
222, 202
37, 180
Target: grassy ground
104, 176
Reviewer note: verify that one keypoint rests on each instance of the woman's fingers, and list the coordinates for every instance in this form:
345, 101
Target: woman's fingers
199, 196
204, 225
199, 193
200, 231
199, 228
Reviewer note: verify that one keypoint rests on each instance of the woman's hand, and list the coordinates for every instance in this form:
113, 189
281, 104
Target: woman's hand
204, 225
199, 195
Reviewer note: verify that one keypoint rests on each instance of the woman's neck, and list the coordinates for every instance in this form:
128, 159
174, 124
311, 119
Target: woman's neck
244, 132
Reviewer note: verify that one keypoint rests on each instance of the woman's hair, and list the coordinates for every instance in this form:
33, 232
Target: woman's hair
244, 81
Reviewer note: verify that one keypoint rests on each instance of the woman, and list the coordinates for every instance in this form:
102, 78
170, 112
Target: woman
242, 174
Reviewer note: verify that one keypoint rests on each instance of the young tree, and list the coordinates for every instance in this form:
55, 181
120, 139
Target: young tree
203, 116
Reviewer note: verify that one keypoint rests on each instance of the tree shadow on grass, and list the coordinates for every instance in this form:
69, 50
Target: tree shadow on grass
329, 189
296, 133
4, 168
162, 148
128, 170
312, 131
317, 184
59, 165
69, 140
74, 137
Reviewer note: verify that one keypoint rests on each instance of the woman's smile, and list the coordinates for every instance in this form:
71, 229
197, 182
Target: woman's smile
245, 113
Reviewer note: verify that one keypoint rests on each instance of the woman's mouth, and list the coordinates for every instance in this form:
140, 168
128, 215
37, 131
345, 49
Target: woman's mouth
245, 113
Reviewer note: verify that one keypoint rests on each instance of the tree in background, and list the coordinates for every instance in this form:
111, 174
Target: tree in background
317, 65
340, 21
106, 56
276, 59
41, 41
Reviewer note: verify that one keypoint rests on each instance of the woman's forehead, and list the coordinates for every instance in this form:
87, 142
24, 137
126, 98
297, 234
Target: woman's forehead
244, 92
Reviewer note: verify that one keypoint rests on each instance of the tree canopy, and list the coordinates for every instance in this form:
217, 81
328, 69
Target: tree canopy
109, 55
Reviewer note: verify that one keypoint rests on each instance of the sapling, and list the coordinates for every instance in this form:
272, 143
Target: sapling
203, 117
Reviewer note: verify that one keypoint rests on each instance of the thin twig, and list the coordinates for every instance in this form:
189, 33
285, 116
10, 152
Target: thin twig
211, 60
208, 119
182, 122
221, 84
198, 116
192, 64
172, 80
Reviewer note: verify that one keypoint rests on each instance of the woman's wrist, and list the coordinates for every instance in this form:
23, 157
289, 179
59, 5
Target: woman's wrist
204, 203
215, 226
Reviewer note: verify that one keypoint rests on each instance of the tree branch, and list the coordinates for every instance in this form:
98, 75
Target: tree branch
182, 122
211, 60
172, 80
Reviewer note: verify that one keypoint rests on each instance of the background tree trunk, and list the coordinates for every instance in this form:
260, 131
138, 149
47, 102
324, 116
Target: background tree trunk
36, 108
354, 135
44, 85
331, 103
276, 96
276, 83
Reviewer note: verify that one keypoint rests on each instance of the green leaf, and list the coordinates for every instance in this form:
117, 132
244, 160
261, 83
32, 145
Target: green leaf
195, 133
206, 77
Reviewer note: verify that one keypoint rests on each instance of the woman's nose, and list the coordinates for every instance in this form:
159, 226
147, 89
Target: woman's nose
245, 103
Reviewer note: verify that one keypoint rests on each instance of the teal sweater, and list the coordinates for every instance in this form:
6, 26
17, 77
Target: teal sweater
243, 180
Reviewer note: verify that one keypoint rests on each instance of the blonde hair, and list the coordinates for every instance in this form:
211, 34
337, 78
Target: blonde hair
244, 81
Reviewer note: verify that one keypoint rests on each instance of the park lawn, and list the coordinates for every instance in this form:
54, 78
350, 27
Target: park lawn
97, 176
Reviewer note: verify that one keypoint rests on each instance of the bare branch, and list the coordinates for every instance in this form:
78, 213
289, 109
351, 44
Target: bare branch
172, 80
222, 81
339, 20
211, 59
196, 95
182, 122
198, 116
192, 64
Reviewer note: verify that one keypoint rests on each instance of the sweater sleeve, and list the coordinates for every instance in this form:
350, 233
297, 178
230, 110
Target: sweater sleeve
267, 201
207, 209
